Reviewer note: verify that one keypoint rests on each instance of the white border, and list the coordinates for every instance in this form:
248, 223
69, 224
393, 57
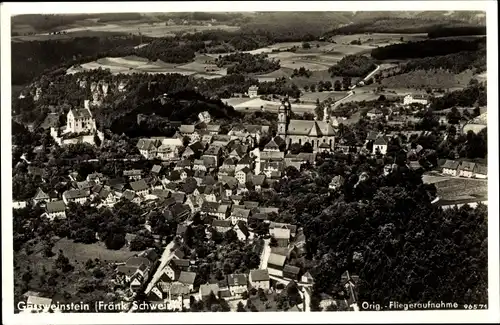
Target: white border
490, 316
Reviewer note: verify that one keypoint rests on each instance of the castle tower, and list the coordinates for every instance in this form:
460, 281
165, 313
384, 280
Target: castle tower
283, 118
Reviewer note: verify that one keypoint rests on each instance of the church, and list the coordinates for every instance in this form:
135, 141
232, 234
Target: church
320, 134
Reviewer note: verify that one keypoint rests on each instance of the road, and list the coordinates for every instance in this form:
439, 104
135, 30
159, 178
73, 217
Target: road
371, 73
307, 299
264, 256
165, 258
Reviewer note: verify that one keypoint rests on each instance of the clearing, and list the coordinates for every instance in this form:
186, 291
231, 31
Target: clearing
434, 79
82, 252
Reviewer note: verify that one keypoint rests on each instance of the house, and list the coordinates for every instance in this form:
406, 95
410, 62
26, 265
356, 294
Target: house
80, 120
116, 184
411, 99
221, 211
243, 175
281, 232
182, 165
336, 183
242, 231
160, 147
178, 297
380, 145
55, 210
134, 271
238, 283
466, 169
245, 162
291, 272
19, 204
180, 211
275, 264
259, 279
239, 214
481, 171
130, 195
236, 199
252, 91
40, 197
37, 304
307, 278
181, 230
221, 225
450, 167
186, 129
155, 170
140, 187
207, 289
350, 284
187, 278
258, 181
98, 178
77, 196
133, 174
213, 129
175, 267
271, 146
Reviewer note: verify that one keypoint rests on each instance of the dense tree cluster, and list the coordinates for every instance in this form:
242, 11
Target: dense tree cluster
241, 63
456, 31
353, 66
426, 48
398, 25
455, 62
474, 94
301, 72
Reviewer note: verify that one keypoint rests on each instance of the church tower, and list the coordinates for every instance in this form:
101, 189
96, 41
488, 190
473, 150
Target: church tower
283, 117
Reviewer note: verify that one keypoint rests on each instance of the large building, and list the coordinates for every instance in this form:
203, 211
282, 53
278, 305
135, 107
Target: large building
80, 120
304, 131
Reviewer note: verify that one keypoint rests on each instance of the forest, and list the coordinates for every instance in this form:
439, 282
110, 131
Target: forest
34, 58
427, 48
376, 228
399, 25
242, 63
456, 31
454, 62
353, 66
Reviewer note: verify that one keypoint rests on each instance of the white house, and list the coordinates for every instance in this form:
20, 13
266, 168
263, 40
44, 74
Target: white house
380, 145
77, 196
252, 91
80, 120
466, 169
411, 99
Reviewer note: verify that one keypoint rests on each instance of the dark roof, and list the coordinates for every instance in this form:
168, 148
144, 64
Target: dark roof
258, 180
132, 172
381, 141
81, 113
139, 185
75, 194
467, 166
250, 204
221, 223
259, 275
451, 164
128, 195
56, 206
246, 160
237, 279
291, 269
187, 277
41, 195
181, 229
243, 227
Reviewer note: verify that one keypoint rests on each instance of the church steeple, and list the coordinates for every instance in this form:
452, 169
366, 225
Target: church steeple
283, 117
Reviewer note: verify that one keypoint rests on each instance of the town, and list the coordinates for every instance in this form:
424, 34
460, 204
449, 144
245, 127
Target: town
257, 202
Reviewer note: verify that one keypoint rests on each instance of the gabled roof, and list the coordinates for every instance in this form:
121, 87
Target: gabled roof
291, 269
156, 169
56, 206
242, 226
186, 128
239, 212
81, 113
206, 289
128, 195
187, 278
181, 229
132, 172
272, 145
259, 275
235, 280
481, 169
275, 259
76, 194
139, 185
451, 164
381, 141
272, 155
259, 180
221, 223
246, 160
41, 195
467, 166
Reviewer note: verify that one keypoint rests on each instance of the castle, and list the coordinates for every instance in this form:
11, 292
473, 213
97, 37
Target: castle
320, 134
80, 127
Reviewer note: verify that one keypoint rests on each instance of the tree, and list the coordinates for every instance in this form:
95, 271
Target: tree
337, 86
62, 263
240, 307
454, 116
306, 45
313, 88
140, 243
346, 82
115, 241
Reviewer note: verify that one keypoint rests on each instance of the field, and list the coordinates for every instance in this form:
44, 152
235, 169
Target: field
135, 64
455, 188
82, 252
322, 96
434, 79
256, 104
159, 29
67, 36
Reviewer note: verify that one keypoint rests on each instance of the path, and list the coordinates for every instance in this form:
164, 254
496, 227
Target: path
165, 258
264, 256
371, 73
